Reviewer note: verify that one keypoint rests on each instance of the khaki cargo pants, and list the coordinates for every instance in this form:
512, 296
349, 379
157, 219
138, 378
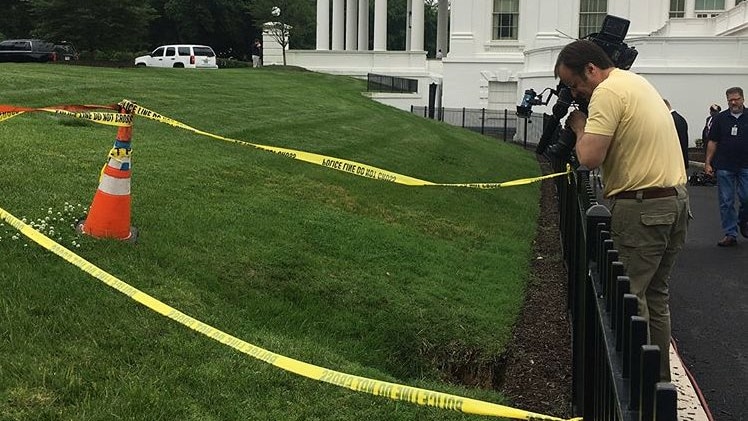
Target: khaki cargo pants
648, 234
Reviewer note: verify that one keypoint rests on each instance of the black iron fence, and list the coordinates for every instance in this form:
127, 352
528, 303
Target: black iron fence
615, 372
382, 83
502, 124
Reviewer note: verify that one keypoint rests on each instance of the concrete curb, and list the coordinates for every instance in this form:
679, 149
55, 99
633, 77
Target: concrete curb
696, 164
689, 404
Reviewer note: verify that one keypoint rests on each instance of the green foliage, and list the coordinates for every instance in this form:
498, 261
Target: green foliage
15, 19
93, 25
300, 14
398, 283
228, 26
226, 63
223, 24
111, 55
396, 17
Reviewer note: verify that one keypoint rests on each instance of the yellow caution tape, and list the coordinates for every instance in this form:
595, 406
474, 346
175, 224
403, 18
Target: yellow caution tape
109, 119
389, 390
344, 165
9, 115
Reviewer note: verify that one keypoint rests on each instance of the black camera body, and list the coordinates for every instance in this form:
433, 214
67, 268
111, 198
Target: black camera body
556, 140
610, 39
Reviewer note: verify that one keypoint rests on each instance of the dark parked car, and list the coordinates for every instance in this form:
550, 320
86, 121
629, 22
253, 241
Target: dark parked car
27, 50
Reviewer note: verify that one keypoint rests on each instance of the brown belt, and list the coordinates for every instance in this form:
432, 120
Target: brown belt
650, 193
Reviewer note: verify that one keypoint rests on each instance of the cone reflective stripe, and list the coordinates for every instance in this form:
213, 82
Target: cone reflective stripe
115, 182
109, 214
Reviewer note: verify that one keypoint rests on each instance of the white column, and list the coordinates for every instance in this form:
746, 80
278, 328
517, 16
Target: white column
442, 40
338, 25
351, 24
363, 25
416, 30
380, 25
690, 8
323, 24
729, 4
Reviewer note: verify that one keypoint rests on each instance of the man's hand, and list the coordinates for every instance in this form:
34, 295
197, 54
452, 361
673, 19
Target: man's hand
711, 148
591, 148
576, 122
708, 169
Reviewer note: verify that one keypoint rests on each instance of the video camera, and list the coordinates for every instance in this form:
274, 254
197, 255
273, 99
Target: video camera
557, 140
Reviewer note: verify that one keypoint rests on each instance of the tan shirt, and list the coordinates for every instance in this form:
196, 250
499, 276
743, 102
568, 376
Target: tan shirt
644, 150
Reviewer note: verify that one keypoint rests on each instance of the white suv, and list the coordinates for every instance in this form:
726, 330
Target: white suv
181, 55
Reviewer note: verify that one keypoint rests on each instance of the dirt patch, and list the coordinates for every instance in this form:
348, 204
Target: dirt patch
537, 375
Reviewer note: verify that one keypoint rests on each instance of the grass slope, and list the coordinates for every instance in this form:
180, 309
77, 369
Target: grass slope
406, 284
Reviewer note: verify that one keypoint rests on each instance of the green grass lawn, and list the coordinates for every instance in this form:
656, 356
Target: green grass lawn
397, 283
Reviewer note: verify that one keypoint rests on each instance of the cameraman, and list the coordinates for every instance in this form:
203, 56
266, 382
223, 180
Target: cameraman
630, 133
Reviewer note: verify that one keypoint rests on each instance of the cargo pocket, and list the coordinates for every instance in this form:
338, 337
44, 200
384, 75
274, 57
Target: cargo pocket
646, 231
651, 219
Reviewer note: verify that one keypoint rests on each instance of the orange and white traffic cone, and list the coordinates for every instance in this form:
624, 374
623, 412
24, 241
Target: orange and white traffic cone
109, 213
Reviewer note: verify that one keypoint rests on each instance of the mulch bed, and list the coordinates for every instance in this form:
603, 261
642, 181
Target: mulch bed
537, 375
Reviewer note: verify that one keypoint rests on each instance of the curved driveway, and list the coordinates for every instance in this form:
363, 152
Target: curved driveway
709, 308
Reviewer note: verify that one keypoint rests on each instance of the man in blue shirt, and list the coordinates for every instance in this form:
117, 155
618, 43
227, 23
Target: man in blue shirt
727, 157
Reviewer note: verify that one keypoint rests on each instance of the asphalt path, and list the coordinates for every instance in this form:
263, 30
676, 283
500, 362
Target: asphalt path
709, 309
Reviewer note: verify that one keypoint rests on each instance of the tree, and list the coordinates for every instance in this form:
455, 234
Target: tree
15, 21
430, 24
278, 30
396, 24
94, 25
299, 14
222, 24
397, 15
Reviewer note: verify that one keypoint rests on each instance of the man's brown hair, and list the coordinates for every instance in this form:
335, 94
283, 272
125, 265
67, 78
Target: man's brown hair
735, 90
578, 54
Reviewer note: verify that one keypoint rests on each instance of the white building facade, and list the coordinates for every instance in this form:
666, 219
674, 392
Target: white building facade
691, 50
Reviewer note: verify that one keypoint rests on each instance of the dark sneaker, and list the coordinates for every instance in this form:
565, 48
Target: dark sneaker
727, 242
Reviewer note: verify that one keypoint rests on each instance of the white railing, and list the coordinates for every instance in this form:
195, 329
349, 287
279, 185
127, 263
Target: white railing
359, 63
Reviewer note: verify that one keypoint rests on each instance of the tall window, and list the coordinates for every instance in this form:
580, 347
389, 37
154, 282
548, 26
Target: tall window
677, 8
505, 19
591, 15
709, 8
